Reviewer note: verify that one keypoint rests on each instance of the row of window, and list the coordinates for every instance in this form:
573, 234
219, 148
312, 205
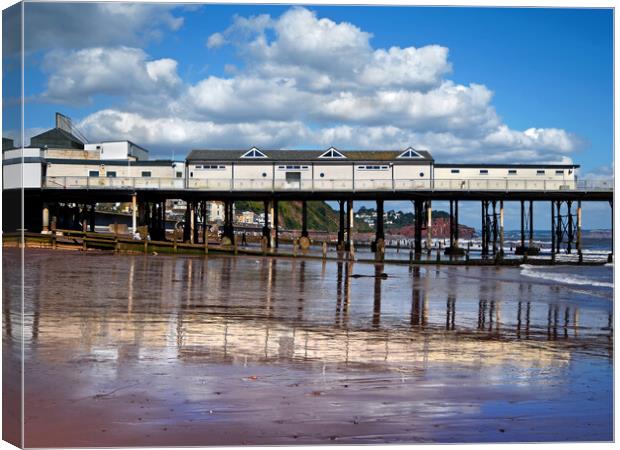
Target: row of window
510, 172
293, 167
211, 167
372, 167
112, 174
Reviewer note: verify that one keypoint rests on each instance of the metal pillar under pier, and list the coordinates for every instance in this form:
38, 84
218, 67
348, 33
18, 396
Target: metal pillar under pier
349, 240
485, 229
418, 219
340, 243
304, 218
266, 230
429, 225
501, 228
379, 243
134, 213
610, 257
272, 234
495, 234
570, 237
276, 228
552, 230
578, 243
46, 219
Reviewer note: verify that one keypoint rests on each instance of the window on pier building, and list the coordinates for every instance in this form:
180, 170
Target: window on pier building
332, 153
93, 173
179, 174
410, 153
559, 172
146, 173
484, 172
455, 171
254, 153
540, 172
111, 174
512, 171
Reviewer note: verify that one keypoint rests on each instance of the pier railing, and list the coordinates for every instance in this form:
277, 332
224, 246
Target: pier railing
324, 185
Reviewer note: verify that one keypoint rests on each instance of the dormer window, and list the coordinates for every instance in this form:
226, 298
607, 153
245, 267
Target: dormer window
332, 153
410, 153
254, 153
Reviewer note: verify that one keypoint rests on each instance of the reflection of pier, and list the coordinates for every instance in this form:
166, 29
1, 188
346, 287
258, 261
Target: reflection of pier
202, 313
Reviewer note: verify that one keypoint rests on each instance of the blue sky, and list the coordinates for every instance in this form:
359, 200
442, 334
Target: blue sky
469, 84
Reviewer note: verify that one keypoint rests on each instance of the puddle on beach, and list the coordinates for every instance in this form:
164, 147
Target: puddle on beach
162, 350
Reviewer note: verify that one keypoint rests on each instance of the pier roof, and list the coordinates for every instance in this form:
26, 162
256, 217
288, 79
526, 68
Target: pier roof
308, 155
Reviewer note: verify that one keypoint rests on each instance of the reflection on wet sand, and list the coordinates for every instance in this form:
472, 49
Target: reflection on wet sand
219, 315
111, 315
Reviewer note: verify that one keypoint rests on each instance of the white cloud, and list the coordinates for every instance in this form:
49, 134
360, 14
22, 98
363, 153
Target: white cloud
173, 131
76, 76
55, 25
304, 81
216, 40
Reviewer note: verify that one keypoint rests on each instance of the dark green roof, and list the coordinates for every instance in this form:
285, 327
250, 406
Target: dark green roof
304, 155
56, 138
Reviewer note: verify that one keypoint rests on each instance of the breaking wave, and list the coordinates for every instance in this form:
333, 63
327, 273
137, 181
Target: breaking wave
553, 274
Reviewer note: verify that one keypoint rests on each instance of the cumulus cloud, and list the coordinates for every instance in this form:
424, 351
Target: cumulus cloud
77, 75
172, 131
301, 81
73, 25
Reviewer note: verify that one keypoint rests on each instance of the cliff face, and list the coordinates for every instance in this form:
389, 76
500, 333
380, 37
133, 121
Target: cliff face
440, 229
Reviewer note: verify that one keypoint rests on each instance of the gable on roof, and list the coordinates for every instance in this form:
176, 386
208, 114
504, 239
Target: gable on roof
254, 153
56, 138
410, 153
332, 153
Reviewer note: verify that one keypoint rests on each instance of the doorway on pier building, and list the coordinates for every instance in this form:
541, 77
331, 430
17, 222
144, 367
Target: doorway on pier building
293, 180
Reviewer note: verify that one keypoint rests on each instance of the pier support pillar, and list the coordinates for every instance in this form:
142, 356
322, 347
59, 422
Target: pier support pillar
134, 213
379, 245
304, 219
531, 239
578, 243
494, 203
192, 222
350, 226
418, 207
429, 226
451, 224
501, 228
523, 224
454, 249
569, 244
485, 229
46, 219
558, 227
456, 225
266, 230
340, 243
552, 230
276, 228
272, 234
610, 257
229, 232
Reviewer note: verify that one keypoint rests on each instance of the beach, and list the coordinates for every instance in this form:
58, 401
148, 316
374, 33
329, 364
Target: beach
125, 350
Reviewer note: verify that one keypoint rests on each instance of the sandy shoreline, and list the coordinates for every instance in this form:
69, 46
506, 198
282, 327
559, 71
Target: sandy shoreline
236, 351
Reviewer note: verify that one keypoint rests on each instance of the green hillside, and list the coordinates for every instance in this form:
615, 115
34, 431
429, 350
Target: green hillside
321, 217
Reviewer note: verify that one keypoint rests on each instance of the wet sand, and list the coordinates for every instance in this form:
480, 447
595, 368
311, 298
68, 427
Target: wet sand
158, 350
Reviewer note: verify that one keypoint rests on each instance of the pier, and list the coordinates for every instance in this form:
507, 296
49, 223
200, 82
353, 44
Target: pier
63, 179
